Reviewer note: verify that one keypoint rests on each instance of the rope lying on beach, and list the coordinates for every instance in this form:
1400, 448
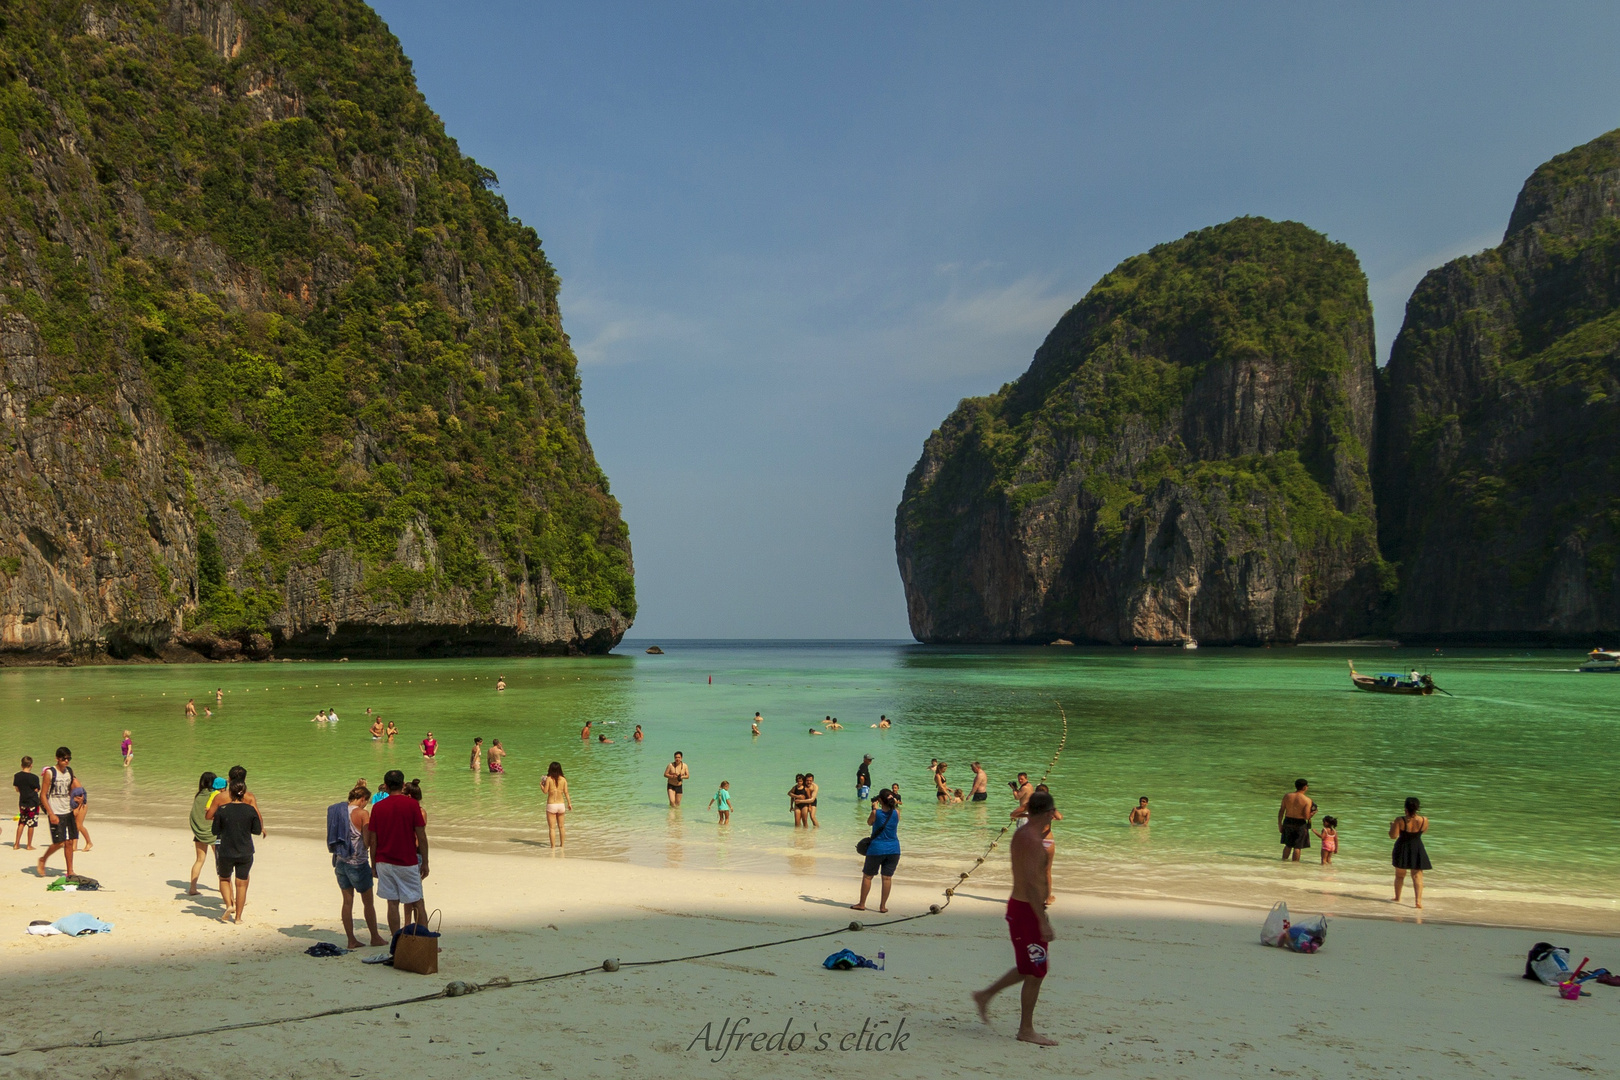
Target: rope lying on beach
501, 982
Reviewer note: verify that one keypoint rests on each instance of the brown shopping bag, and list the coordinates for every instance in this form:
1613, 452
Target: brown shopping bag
417, 949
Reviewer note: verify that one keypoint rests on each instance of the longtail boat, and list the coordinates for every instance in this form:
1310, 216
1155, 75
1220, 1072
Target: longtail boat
1602, 660
1389, 683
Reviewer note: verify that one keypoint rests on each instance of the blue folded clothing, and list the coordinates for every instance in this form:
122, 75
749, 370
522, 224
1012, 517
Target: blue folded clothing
74, 925
844, 960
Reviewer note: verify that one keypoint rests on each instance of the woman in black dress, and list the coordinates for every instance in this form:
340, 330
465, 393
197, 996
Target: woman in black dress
1407, 832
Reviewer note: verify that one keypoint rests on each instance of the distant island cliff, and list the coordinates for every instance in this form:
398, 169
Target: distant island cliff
282, 375
1203, 448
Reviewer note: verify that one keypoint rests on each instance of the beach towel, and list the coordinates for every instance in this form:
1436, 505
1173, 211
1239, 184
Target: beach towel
845, 960
80, 923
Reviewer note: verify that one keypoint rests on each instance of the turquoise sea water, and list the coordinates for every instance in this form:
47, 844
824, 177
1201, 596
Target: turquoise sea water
1516, 770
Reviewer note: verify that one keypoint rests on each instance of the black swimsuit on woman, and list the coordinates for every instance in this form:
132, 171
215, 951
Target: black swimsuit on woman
1409, 852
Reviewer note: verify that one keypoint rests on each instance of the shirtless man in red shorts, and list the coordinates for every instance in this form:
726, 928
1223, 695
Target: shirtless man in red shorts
1026, 919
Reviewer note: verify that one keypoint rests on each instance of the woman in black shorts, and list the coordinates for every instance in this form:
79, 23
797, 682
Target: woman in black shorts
883, 853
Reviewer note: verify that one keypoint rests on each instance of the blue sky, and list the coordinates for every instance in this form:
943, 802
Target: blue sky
793, 236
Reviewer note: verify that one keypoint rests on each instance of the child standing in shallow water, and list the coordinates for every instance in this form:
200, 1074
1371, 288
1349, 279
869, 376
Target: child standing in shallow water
723, 797
127, 748
1330, 838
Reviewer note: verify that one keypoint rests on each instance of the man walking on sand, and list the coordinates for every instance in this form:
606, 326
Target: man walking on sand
1030, 929
1294, 820
396, 837
58, 782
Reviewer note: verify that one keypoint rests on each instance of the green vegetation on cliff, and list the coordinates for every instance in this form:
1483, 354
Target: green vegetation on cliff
1200, 417
1129, 354
260, 209
1498, 464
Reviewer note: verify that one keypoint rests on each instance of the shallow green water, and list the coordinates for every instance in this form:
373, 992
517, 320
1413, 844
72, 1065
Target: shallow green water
1517, 770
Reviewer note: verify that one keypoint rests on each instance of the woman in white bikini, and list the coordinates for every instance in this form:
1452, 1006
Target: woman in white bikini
557, 803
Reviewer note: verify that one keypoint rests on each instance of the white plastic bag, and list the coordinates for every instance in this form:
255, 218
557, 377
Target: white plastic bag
1275, 929
1553, 967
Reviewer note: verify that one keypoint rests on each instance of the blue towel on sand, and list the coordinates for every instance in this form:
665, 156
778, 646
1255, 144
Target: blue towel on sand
74, 925
844, 960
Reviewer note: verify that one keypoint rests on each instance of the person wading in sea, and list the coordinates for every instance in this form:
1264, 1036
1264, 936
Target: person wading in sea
1027, 924
675, 776
1294, 820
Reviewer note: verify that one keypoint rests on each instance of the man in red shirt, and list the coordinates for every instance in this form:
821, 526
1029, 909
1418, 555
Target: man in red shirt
396, 836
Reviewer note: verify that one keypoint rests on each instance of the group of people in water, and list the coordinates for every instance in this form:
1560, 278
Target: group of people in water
1409, 856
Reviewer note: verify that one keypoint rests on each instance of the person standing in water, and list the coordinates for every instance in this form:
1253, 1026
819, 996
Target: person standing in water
477, 754
808, 802
500, 683
558, 802
1409, 854
191, 708
675, 776
430, 746
127, 748
1027, 924
496, 753
219, 696
391, 730
981, 784
376, 728
863, 778
723, 797
1294, 820
638, 736
1141, 814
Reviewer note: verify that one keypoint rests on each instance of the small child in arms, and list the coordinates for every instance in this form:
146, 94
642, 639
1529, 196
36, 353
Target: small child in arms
1329, 837
723, 797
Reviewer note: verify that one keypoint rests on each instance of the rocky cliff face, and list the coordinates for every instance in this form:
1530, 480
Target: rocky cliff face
1497, 468
280, 371
1186, 456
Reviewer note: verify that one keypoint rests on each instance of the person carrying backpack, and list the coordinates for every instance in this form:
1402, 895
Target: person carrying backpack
58, 783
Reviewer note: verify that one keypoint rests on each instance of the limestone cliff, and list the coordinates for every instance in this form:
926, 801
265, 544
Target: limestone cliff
1186, 456
1497, 468
281, 373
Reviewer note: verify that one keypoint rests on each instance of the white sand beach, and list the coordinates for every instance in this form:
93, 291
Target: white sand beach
1138, 988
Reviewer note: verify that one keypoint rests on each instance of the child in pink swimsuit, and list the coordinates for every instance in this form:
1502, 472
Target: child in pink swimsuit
1329, 837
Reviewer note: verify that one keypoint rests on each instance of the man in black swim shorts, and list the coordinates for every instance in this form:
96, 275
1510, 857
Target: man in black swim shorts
1294, 820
